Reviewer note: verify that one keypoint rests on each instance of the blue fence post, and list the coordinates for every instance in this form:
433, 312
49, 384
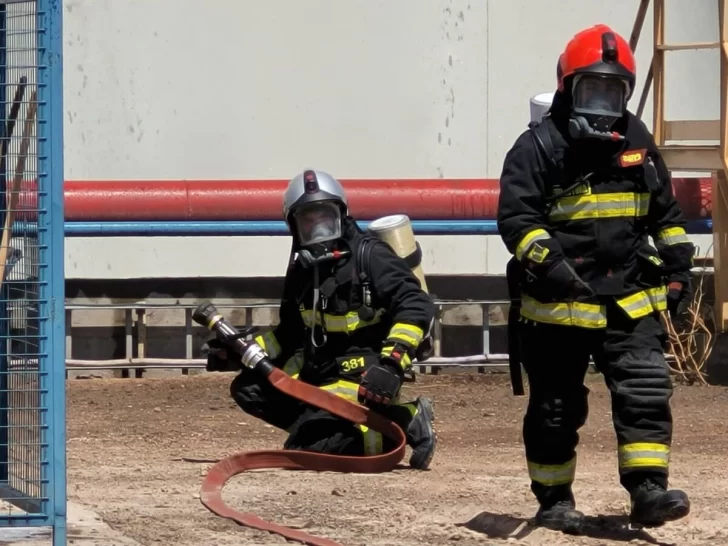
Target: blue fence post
32, 315
52, 199
4, 470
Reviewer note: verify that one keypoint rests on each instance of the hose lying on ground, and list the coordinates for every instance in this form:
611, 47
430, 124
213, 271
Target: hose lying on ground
254, 357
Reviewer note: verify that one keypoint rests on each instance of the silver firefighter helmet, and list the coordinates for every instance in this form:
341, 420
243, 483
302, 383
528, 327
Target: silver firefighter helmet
313, 206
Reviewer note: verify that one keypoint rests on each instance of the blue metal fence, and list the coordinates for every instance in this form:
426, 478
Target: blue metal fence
32, 391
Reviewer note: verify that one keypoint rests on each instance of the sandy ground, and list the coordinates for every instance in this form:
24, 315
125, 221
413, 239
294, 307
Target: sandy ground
126, 438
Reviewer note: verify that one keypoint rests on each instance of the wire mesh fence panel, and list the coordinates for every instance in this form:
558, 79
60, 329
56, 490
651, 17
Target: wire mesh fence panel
32, 393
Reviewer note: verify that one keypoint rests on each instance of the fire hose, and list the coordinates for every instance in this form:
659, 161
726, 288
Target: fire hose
254, 357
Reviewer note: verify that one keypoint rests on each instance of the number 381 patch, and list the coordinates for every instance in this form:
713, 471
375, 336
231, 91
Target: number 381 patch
352, 364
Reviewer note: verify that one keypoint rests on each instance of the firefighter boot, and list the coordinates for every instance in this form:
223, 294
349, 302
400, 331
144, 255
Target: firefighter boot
421, 434
557, 510
653, 505
416, 420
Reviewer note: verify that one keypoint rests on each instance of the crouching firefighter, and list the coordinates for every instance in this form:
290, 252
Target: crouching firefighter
581, 192
353, 317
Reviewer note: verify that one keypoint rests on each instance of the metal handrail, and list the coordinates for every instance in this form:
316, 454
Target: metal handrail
265, 302
140, 362
486, 360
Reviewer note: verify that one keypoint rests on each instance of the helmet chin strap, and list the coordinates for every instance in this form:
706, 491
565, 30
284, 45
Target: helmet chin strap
579, 127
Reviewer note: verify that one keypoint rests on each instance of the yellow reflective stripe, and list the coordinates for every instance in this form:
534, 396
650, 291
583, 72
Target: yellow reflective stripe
405, 362
658, 297
373, 440
589, 315
344, 389
293, 365
643, 454
672, 236
602, 205
411, 407
584, 315
552, 474
340, 323
269, 344
408, 334
644, 302
530, 238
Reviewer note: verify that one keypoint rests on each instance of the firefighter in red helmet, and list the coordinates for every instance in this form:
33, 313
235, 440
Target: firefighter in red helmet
582, 191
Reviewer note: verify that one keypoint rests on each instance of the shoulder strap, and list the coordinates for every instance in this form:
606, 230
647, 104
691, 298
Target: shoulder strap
362, 267
363, 258
550, 158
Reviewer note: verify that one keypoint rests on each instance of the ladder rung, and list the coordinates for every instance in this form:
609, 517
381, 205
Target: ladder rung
692, 129
696, 45
692, 158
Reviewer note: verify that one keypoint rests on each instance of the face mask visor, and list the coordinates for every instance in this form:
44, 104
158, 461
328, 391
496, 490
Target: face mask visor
599, 96
317, 223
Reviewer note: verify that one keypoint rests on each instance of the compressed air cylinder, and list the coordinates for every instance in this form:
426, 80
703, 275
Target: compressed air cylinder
396, 231
540, 104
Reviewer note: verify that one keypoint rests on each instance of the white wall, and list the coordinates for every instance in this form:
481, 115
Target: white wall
235, 89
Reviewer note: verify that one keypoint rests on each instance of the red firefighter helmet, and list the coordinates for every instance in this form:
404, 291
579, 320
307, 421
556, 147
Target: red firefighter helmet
597, 50
598, 70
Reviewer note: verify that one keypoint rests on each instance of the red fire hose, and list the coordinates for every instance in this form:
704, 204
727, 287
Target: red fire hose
222, 471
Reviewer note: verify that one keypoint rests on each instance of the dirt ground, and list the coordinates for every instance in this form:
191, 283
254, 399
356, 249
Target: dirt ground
126, 438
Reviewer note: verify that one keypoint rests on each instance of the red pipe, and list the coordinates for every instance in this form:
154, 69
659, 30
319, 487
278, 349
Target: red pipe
262, 199
420, 199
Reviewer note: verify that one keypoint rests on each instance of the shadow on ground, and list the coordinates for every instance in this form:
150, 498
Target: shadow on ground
609, 527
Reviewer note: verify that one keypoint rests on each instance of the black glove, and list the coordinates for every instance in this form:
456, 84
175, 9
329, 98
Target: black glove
219, 357
380, 384
566, 283
679, 295
425, 349
546, 262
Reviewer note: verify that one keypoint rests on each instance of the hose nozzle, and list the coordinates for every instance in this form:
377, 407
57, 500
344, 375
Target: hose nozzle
206, 315
251, 354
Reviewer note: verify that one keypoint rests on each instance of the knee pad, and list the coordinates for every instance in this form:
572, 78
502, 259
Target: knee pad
562, 409
644, 376
245, 390
318, 430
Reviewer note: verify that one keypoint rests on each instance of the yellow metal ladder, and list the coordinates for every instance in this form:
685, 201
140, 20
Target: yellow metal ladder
711, 158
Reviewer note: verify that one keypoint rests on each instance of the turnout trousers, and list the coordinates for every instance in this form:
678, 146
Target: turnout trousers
630, 355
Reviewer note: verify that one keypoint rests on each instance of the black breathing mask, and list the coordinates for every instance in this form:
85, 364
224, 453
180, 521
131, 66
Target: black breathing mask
309, 258
597, 103
579, 127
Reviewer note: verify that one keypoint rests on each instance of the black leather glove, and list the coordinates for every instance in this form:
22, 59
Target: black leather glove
425, 349
546, 262
219, 357
679, 295
380, 384
566, 283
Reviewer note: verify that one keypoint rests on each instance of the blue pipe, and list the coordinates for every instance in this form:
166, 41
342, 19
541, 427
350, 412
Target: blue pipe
269, 227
